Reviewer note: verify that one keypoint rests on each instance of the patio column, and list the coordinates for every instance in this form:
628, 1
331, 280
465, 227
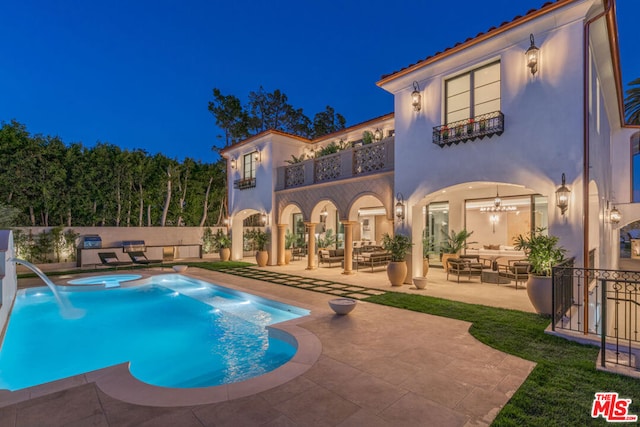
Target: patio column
348, 246
311, 246
280, 256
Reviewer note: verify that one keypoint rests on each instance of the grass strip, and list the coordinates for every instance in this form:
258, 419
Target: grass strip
560, 389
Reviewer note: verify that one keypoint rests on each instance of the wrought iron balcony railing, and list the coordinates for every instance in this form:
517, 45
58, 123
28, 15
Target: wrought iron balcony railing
244, 183
469, 129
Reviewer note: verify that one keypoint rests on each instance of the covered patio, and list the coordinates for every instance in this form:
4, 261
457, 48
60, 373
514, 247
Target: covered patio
473, 291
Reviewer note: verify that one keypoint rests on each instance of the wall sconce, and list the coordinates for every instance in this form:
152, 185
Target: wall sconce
400, 207
615, 216
532, 56
233, 163
256, 156
494, 219
562, 196
416, 97
264, 218
377, 134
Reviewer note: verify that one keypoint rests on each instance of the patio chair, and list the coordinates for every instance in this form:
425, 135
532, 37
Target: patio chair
516, 269
111, 259
141, 258
464, 267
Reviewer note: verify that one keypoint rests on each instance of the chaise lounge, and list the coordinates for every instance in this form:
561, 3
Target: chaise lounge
111, 259
141, 258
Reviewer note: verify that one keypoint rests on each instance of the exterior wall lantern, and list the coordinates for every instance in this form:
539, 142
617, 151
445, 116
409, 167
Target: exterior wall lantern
416, 97
264, 218
377, 135
256, 156
615, 216
562, 196
233, 163
532, 56
400, 209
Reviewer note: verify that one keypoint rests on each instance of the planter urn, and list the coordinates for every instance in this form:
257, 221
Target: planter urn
287, 256
262, 257
225, 254
425, 266
396, 272
539, 290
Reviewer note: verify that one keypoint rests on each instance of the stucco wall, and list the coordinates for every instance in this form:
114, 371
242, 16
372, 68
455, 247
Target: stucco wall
8, 278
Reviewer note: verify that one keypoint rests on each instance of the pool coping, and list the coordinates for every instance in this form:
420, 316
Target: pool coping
118, 382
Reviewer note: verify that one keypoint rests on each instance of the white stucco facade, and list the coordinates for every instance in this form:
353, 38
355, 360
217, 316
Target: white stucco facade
565, 119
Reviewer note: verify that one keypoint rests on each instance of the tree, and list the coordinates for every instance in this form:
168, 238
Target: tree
327, 121
269, 110
632, 103
230, 116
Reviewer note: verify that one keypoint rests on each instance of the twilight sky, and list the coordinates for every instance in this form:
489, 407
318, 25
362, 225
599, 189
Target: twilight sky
139, 73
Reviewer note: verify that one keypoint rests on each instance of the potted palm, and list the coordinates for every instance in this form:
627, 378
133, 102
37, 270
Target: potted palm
222, 243
260, 239
453, 244
543, 252
289, 240
397, 246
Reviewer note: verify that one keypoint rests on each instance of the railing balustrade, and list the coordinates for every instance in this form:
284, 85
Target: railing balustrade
469, 129
244, 183
358, 160
612, 309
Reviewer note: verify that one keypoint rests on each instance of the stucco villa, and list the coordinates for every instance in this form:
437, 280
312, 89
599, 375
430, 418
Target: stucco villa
517, 128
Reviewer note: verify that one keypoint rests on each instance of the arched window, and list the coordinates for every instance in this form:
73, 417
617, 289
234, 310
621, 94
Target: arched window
635, 166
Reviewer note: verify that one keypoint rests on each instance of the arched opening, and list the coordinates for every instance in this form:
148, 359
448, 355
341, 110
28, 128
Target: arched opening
495, 213
246, 219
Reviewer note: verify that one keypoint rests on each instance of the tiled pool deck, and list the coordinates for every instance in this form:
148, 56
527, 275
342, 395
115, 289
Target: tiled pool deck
378, 366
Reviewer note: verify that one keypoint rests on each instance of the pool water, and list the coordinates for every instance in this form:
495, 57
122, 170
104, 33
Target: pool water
174, 331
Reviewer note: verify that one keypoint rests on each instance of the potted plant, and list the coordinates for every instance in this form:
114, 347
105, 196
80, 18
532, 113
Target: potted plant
444, 133
427, 249
260, 239
289, 240
470, 127
397, 246
543, 252
453, 244
222, 243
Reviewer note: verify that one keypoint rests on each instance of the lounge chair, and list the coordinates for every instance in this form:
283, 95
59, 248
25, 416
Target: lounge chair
111, 259
464, 267
141, 258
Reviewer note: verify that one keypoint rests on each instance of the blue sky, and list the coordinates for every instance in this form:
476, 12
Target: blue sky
139, 74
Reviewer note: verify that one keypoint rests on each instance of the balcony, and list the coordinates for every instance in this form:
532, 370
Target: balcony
485, 125
356, 161
244, 183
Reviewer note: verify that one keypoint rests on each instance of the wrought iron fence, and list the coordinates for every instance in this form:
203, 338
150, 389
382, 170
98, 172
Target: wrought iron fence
469, 129
601, 302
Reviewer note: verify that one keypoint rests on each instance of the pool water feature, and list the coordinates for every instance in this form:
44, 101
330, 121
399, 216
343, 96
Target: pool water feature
108, 280
174, 331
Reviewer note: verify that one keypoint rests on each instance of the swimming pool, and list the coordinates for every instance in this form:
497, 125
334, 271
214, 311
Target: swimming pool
175, 332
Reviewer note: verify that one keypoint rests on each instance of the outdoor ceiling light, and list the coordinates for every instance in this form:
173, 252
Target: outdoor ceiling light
324, 211
377, 135
416, 97
532, 56
497, 201
615, 216
562, 196
400, 206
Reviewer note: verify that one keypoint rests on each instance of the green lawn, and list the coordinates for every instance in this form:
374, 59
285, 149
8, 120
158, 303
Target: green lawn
561, 388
